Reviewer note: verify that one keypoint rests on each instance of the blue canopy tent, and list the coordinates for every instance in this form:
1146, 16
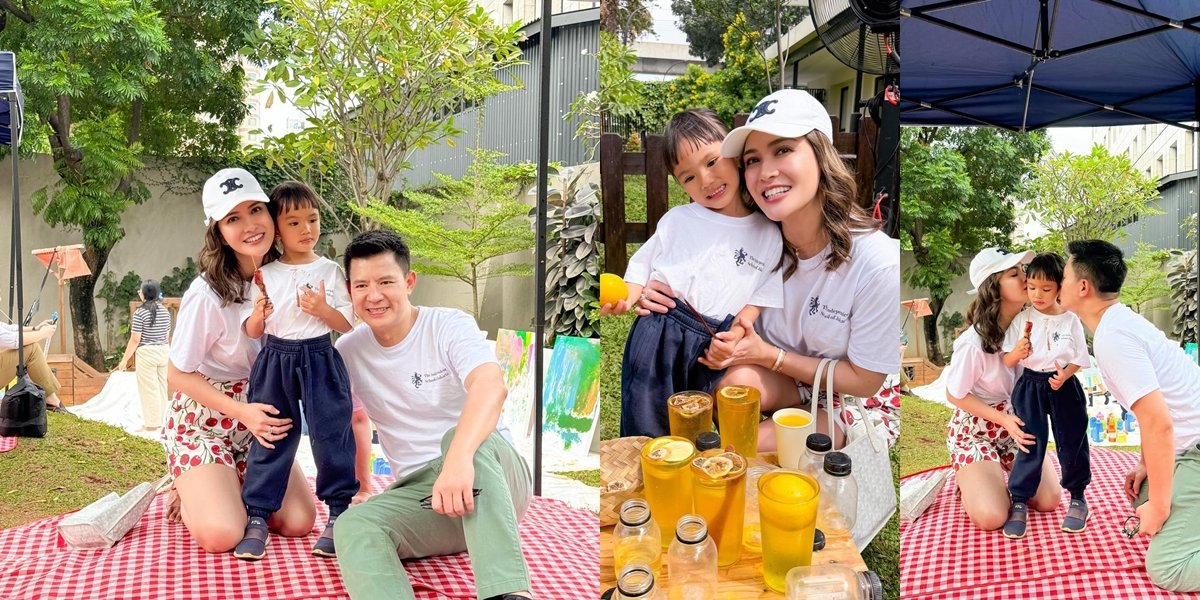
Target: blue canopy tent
1028, 64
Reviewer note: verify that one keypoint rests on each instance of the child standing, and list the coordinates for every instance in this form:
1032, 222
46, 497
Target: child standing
1048, 342
721, 259
297, 361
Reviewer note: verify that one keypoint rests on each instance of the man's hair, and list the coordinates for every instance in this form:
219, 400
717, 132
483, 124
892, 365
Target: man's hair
1048, 266
372, 243
695, 127
1099, 262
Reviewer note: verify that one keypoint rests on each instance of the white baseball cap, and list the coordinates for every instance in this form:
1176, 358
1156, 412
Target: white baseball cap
994, 260
786, 113
227, 189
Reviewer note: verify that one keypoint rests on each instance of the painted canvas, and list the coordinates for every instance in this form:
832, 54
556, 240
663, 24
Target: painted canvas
514, 351
572, 394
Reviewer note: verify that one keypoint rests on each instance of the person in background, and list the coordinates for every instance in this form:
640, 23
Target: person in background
149, 339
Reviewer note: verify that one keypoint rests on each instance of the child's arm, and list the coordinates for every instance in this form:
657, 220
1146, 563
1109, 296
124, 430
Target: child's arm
256, 323
313, 302
1021, 352
723, 343
623, 306
1062, 375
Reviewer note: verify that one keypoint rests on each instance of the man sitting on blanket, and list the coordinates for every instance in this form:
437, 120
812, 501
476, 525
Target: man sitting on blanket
1153, 377
434, 390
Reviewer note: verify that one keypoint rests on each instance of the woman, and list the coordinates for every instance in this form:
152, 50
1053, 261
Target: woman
209, 423
149, 335
841, 275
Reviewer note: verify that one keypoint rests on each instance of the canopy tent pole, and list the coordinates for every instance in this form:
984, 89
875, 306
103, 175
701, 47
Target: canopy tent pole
1196, 203
543, 167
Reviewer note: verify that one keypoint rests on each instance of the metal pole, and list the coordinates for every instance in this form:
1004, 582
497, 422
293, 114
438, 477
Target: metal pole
1196, 165
539, 321
13, 118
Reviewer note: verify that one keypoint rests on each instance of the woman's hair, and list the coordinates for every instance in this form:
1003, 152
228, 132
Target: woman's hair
984, 314
291, 195
837, 191
150, 296
219, 266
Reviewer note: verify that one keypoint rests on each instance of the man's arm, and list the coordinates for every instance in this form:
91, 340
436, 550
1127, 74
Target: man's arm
1158, 452
452, 495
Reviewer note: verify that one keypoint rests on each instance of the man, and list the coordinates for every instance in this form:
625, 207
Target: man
434, 390
1153, 377
35, 361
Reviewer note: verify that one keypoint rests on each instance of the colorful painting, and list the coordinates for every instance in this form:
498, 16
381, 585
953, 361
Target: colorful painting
572, 394
514, 351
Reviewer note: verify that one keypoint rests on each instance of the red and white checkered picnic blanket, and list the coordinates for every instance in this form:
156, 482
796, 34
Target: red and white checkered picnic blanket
944, 557
7, 443
159, 560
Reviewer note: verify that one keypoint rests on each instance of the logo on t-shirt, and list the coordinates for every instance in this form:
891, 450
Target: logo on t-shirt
419, 379
742, 258
416, 380
1055, 336
815, 307
814, 304
739, 257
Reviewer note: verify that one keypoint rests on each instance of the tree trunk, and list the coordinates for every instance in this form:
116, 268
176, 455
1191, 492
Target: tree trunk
83, 309
933, 346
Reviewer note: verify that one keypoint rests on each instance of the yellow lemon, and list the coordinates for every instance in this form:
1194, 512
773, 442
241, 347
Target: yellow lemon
612, 289
734, 392
788, 487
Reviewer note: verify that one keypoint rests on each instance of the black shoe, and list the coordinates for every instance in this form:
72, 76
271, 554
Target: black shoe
58, 408
1018, 515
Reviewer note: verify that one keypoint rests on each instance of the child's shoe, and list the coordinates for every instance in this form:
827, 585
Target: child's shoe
1014, 527
324, 546
1077, 515
254, 543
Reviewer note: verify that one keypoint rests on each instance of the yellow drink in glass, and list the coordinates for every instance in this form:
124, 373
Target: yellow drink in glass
668, 481
738, 412
787, 507
690, 414
719, 493
794, 420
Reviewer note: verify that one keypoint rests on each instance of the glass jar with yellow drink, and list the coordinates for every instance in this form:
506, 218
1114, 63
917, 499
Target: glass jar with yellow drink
719, 495
738, 416
668, 480
751, 531
636, 538
690, 414
787, 508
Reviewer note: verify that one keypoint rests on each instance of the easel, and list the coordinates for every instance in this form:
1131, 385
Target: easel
66, 262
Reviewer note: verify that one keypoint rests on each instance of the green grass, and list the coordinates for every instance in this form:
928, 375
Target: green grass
76, 463
882, 555
589, 477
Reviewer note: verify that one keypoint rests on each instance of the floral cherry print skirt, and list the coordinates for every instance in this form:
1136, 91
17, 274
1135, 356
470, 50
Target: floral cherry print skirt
970, 439
195, 435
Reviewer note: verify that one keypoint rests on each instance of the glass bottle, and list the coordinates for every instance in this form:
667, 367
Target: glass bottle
692, 561
636, 538
838, 507
812, 462
636, 582
820, 582
751, 530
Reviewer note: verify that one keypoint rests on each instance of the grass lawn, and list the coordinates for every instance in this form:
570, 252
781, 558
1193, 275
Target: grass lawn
76, 463
881, 556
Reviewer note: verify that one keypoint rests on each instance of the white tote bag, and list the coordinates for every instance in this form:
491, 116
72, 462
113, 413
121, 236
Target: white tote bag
871, 465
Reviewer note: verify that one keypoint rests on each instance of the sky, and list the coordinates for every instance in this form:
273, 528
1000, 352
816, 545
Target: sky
665, 29
1076, 140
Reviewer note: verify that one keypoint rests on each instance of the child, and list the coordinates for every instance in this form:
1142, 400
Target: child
721, 260
297, 361
1153, 377
1048, 342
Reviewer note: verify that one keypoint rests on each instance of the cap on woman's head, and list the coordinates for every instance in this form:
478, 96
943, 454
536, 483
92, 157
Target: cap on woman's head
994, 260
227, 189
786, 114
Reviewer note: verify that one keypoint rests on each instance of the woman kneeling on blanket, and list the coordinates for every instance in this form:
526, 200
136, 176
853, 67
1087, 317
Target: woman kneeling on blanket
209, 423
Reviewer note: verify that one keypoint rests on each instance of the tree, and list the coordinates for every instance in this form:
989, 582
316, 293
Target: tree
734, 89
1189, 227
705, 23
627, 20
1087, 196
108, 83
457, 229
1146, 285
379, 79
955, 201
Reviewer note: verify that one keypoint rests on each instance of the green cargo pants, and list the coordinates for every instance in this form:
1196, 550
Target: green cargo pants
1173, 560
373, 537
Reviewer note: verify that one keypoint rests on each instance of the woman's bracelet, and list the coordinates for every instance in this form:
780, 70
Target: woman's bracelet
779, 360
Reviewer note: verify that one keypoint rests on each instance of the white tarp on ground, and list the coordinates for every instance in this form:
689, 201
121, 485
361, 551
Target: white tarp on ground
117, 404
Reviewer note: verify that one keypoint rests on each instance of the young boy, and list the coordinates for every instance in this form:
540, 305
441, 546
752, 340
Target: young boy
720, 259
1048, 342
1153, 377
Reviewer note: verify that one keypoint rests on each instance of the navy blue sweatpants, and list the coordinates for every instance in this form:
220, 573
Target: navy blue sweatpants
285, 372
661, 359
1033, 401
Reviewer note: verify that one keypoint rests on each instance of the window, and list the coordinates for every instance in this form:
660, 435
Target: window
252, 122
1158, 167
1173, 159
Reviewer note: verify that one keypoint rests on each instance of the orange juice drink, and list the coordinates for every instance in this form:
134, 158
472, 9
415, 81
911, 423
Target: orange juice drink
690, 414
738, 412
668, 481
787, 507
719, 494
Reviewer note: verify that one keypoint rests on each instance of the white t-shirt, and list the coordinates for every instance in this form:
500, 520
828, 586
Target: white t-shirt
848, 313
973, 371
1055, 338
208, 338
718, 264
414, 391
1136, 358
284, 283
8, 339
